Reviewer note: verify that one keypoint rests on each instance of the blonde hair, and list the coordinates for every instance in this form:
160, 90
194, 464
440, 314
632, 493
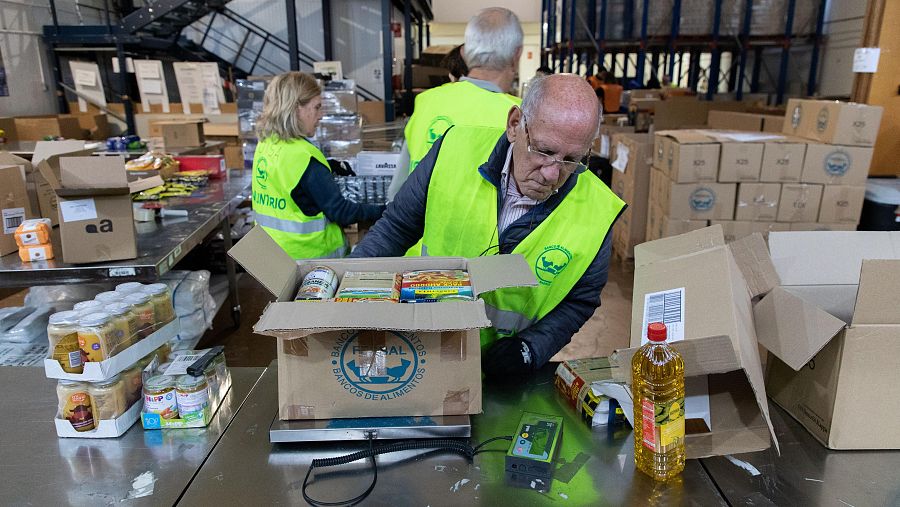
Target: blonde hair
284, 95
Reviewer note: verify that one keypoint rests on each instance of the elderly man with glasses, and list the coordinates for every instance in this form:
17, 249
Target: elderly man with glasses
523, 190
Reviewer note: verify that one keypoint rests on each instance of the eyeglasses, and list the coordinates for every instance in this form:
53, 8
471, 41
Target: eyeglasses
547, 159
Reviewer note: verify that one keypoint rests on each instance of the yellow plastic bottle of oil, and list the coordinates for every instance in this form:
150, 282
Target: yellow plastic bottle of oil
657, 376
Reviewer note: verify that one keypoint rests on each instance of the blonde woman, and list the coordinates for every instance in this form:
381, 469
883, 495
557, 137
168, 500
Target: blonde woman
294, 195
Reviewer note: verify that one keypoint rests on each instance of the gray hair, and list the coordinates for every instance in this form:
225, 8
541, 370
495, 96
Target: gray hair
534, 96
492, 38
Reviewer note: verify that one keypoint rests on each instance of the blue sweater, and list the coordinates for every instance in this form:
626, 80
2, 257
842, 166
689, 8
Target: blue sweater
404, 222
317, 192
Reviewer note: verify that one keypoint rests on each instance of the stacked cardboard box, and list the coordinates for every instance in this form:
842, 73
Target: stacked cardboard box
811, 179
631, 156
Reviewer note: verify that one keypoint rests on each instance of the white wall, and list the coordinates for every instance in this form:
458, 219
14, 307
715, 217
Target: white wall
28, 72
459, 11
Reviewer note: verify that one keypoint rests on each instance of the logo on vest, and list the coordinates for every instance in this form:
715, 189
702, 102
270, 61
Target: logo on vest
552, 261
261, 172
378, 365
437, 128
837, 163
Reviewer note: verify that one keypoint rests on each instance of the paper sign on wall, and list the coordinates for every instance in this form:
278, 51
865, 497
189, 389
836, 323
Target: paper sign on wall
152, 84
88, 84
866, 59
332, 68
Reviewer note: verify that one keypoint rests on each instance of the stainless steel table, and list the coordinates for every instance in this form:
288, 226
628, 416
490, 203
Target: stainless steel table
38, 468
160, 244
807, 473
176, 151
594, 467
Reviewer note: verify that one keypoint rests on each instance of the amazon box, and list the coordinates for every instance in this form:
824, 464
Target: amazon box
46, 160
694, 283
833, 122
95, 212
374, 359
832, 330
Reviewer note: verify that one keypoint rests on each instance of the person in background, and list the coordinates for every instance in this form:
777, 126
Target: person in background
493, 46
522, 190
455, 64
653, 83
295, 198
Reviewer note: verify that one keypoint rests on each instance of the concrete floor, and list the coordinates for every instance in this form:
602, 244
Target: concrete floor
606, 331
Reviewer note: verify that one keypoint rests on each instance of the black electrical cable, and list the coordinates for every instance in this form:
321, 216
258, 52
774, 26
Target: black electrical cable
408, 445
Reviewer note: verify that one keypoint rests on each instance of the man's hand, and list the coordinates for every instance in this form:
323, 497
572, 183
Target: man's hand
507, 359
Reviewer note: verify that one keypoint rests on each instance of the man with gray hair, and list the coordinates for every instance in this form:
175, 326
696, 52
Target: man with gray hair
523, 190
493, 45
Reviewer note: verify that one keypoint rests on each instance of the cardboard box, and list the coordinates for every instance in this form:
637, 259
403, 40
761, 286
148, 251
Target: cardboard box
782, 161
234, 157
841, 204
427, 356
46, 159
603, 144
833, 122
229, 129
95, 124
631, 182
735, 230
372, 111
816, 226
799, 202
94, 204
740, 161
836, 165
14, 205
659, 225
694, 201
700, 278
757, 202
838, 381
688, 156
181, 133
376, 163
752, 122
36, 128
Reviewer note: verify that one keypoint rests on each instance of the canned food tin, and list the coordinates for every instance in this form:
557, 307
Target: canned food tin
320, 283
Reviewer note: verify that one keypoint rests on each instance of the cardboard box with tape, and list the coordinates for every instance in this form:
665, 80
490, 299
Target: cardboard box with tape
693, 201
374, 359
632, 155
836, 165
833, 332
686, 156
15, 207
833, 122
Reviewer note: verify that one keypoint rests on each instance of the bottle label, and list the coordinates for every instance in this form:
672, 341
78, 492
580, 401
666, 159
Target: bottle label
663, 424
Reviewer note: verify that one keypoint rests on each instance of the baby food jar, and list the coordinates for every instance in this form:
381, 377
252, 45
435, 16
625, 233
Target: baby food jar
192, 394
159, 397
143, 308
75, 404
62, 331
129, 287
162, 302
95, 334
108, 397
109, 297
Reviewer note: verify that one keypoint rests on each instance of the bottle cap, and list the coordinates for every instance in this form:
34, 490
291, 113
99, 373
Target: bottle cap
656, 332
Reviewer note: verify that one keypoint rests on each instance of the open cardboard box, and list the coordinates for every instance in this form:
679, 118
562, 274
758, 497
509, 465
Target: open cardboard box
833, 333
374, 359
46, 160
710, 320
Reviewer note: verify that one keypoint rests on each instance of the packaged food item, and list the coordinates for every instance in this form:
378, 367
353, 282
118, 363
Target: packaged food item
318, 284
134, 384
75, 404
143, 308
62, 332
33, 253
108, 398
85, 307
369, 286
164, 352
435, 285
35, 231
129, 287
192, 394
123, 321
159, 397
124, 309
95, 334
109, 297
161, 298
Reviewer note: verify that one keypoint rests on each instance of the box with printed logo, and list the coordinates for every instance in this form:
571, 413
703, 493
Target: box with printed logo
833, 122
693, 201
836, 165
95, 212
379, 359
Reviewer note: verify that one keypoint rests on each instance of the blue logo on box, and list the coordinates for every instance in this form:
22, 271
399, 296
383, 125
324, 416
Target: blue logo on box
151, 421
702, 199
378, 365
837, 163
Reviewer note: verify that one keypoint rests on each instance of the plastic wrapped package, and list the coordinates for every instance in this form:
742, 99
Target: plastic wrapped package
193, 325
189, 290
62, 297
31, 328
